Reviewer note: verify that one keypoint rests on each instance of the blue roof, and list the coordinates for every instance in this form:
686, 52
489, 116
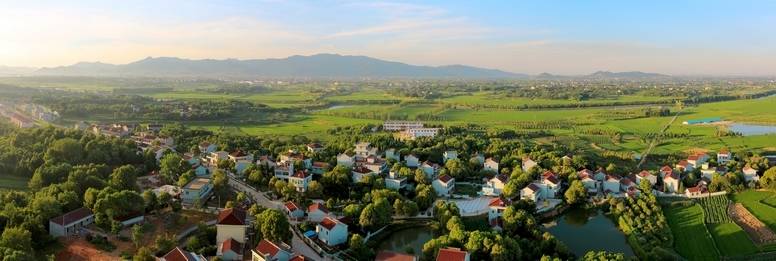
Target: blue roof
310, 234
704, 120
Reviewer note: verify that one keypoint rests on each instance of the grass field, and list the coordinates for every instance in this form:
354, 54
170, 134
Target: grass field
311, 126
691, 238
13, 182
731, 240
752, 200
489, 98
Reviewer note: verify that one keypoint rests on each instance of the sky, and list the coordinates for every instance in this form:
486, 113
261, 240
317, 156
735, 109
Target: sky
563, 37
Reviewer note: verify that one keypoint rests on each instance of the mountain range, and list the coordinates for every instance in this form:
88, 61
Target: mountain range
313, 66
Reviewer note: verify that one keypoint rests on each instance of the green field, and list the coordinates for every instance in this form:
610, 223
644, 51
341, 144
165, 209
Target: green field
13, 182
311, 126
489, 98
731, 239
752, 200
691, 238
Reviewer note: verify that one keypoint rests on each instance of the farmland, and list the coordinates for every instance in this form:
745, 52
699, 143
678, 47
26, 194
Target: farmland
753, 201
715, 209
690, 235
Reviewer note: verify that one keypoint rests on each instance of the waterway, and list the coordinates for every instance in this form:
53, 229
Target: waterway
751, 129
584, 230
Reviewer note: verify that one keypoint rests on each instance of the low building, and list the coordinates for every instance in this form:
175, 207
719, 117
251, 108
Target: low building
444, 185
359, 173
550, 184
293, 211
392, 154
269, 251
430, 168
214, 157
230, 250
332, 232
612, 184
365, 149
496, 208
724, 156
411, 161
345, 160
587, 180
452, 254
412, 134
750, 174
71, 222
695, 191
450, 154
196, 190
320, 167
395, 182
490, 164
671, 183
300, 180
207, 147
178, 254
316, 212
645, 175
531, 192
231, 224
528, 164
401, 125
495, 185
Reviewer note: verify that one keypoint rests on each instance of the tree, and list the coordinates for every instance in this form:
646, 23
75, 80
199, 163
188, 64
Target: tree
171, 166
273, 226
645, 186
137, 234
335, 180
164, 243
65, 150
576, 193
420, 177
150, 199
124, 178
144, 254
185, 178
314, 189
602, 256
398, 207
257, 177
16, 238
768, 179
358, 248
220, 182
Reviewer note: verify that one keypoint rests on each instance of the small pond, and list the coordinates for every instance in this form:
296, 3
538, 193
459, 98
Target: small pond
400, 240
584, 230
750, 129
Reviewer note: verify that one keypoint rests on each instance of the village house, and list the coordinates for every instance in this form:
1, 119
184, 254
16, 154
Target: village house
345, 160
684, 166
401, 125
173, 190
314, 147
528, 164
293, 156
495, 185
431, 169
214, 157
626, 184
496, 208
293, 211
666, 170
452, 254
479, 157
392, 154
411, 161
612, 184
201, 171
365, 149
600, 175
750, 174
360, 172
332, 232
586, 177
372, 162
178, 254
490, 164
724, 156
671, 183
241, 160
231, 223
266, 160
320, 167
696, 191
394, 181
196, 190
646, 175
300, 180
412, 134
283, 170
70, 223
444, 185
207, 147
230, 250
550, 184
316, 212
268, 251
450, 154
531, 192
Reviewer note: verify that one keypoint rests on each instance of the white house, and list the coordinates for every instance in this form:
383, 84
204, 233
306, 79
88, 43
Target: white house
450, 154
320, 167
214, 157
646, 175
444, 185
293, 211
197, 189
177, 254
684, 166
268, 251
240, 156
600, 175
531, 192
332, 232
695, 191
612, 184
671, 183
392, 154
284, 169
207, 147
300, 180
411, 161
70, 223
750, 174
345, 160
411, 134
528, 164
360, 172
231, 223
666, 170
724, 156
316, 212
365, 149
626, 184
430, 168
496, 208
550, 184
495, 185
491, 165
394, 181
590, 184
294, 155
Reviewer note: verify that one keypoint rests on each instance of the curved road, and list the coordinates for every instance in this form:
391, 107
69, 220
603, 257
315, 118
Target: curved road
297, 243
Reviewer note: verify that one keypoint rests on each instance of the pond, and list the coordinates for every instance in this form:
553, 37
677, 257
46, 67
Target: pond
749, 129
401, 240
584, 230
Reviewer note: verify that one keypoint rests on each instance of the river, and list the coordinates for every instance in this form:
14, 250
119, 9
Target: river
584, 230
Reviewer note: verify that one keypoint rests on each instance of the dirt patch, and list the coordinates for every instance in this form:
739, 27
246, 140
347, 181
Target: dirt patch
78, 249
757, 231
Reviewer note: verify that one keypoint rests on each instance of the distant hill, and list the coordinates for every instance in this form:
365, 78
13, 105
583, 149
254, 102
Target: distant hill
625, 75
314, 66
13, 71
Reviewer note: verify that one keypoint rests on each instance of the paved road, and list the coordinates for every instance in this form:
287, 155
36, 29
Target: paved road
299, 246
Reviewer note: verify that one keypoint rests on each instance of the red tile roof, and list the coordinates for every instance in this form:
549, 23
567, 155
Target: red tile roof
267, 248
238, 153
497, 202
666, 168
445, 178
317, 206
299, 258
231, 244
72, 216
231, 216
329, 223
319, 164
291, 206
362, 170
393, 256
626, 181
300, 174
644, 174
178, 254
451, 254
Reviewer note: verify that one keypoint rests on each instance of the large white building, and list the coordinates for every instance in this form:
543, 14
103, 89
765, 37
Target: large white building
411, 134
401, 125
71, 222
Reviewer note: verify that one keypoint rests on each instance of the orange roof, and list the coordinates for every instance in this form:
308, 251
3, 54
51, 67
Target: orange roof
231, 216
451, 254
231, 244
393, 256
267, 248
497, 202
291, 206
299, 258
317, 206
177, 254
329, 223
666, 168
445, 178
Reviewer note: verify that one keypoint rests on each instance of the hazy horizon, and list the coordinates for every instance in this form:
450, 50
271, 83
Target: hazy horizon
568, 38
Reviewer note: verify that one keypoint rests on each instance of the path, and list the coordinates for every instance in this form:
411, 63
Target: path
297, 243
657, 137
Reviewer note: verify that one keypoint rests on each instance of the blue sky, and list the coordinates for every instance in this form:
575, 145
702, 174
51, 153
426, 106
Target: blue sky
567, 37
